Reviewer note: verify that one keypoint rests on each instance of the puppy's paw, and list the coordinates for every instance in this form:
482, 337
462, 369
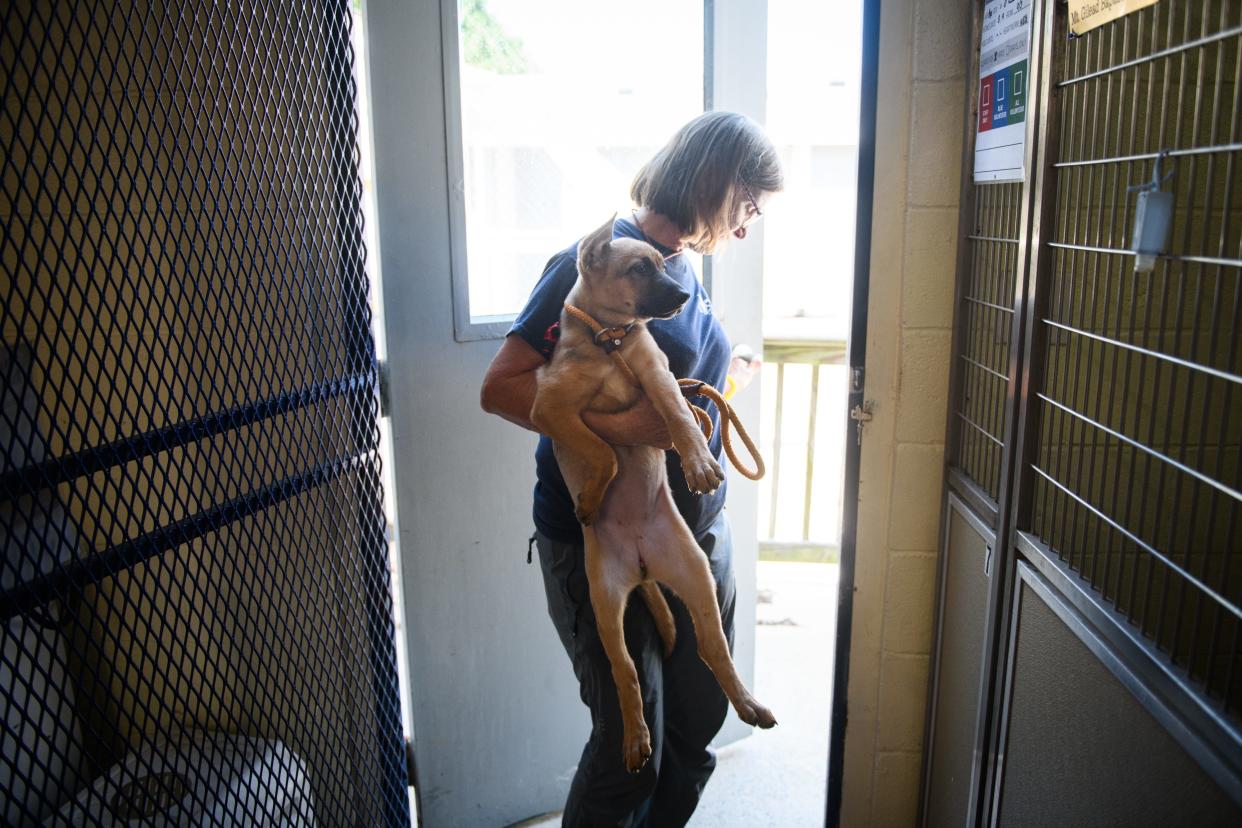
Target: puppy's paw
637, 749
703, 474
754, 713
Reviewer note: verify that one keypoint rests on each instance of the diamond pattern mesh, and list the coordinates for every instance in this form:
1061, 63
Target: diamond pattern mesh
195, 590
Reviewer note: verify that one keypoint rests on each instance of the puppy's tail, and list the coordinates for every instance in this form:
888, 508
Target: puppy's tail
662, 614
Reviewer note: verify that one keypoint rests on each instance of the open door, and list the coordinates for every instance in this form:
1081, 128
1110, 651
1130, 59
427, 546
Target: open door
497, 722
859, 408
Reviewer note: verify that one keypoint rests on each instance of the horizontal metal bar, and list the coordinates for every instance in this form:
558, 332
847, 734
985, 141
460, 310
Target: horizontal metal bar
1163, 53
59, 470
97, 567
1169, 461
985, 368
1149, 156
998, 239
981, 505
1215, 261
980, 429
1184, 363
1160, 556
1168, 257
987, 304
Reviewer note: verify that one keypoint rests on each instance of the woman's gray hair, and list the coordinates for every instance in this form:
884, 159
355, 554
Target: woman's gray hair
697, 178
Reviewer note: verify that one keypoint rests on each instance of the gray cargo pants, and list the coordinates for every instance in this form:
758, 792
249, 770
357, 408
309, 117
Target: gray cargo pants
682, 703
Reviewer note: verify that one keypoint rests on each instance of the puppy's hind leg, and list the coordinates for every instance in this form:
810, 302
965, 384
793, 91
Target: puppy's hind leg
683, 566
663, 616
610, 586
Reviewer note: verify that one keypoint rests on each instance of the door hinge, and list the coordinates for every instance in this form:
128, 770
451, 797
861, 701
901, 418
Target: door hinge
411, 772
862, 414
858, 377
385, 389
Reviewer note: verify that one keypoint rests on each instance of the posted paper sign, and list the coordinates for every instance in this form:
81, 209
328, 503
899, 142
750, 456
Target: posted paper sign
1004, 82
1085, 15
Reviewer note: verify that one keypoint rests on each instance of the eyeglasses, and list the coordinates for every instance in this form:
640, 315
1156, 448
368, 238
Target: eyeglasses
754, 205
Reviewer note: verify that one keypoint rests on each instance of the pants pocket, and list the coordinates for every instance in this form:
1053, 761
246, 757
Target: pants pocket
562, 566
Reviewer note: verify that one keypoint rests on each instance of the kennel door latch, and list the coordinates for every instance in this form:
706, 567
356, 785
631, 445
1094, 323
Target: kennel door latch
862, 414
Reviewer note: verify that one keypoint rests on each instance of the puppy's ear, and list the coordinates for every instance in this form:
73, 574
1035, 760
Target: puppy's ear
593, 250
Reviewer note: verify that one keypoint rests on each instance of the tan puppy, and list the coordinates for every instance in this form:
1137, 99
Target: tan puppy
633, 532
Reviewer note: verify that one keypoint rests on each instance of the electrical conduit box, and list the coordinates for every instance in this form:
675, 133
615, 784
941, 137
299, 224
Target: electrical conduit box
1153, 218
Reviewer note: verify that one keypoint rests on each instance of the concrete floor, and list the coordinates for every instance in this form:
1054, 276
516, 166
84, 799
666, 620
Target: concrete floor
778, 777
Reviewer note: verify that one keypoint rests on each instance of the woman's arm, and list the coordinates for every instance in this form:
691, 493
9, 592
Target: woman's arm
509, 392
509, 384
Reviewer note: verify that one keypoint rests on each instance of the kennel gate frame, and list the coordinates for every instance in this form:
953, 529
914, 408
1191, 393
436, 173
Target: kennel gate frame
1209, 736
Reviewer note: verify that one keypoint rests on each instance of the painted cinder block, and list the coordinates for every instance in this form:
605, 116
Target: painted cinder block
897, 785
908, 606
936, 144
941, 29
924, 386
903, 700
929, 267
914, 520
918, 165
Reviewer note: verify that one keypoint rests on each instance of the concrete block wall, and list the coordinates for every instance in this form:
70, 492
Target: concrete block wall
924, 53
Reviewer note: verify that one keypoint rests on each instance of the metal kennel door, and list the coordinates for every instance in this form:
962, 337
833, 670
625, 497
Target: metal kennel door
195, 586
1090, 606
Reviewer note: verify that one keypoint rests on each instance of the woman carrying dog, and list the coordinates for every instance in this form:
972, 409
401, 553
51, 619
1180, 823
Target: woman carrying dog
710, 182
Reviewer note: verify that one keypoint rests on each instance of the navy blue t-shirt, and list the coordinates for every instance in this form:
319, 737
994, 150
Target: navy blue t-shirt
696, 346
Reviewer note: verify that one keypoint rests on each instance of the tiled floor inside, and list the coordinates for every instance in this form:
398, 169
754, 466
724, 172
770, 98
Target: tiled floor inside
778, 777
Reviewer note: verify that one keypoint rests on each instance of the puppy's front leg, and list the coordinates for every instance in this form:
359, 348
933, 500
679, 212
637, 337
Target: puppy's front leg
703, 473
586, 461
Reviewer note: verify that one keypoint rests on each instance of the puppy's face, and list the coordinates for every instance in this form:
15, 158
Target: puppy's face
626, 277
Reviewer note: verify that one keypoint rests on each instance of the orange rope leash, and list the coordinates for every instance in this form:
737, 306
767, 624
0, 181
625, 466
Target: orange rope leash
728, 418
610, 340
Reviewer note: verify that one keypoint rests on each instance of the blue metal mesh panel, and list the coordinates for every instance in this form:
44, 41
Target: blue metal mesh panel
194, 590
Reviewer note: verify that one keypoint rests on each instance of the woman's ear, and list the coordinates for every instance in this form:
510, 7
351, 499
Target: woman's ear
593, 250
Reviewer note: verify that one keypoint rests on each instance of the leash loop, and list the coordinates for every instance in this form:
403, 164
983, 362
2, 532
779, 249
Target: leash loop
728, 419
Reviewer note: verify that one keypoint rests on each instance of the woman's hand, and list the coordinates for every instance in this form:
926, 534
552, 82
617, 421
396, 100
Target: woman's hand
509, 392
638, 425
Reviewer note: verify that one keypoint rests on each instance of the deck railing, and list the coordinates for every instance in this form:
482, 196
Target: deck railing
803, 439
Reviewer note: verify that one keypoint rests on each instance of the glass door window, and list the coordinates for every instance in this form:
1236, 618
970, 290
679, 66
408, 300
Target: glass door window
557, 103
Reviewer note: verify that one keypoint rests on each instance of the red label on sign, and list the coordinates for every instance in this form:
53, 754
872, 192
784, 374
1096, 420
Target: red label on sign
985, 104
